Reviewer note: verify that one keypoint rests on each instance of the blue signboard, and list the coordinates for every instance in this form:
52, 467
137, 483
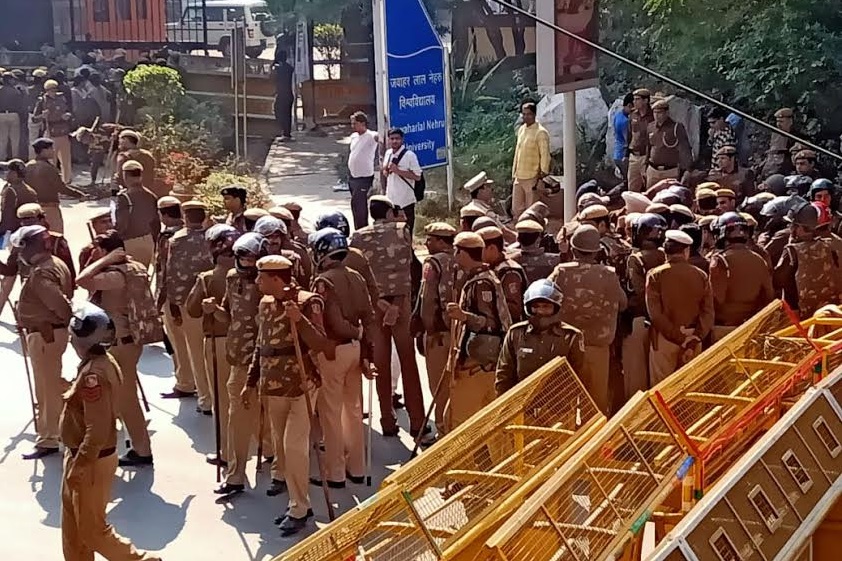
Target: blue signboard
416, 81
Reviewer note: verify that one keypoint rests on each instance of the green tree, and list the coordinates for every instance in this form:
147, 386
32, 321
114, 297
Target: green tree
159, 87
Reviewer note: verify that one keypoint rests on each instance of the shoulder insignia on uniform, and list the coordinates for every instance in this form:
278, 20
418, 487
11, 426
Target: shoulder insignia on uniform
320, 286
91, 381
316, 307
514, 287
91, 389
486, 295
429, 271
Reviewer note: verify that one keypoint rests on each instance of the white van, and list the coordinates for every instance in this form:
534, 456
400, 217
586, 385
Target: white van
222, 16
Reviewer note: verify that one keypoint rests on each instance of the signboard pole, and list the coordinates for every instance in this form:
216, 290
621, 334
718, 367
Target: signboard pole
378, 12
449, 104
569, 154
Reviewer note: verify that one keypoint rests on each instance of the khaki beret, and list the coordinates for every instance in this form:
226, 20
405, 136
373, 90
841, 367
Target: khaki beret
470, 210
593, 212
586, 239
707, 221
642, 92
712, 185
477, 181
482, 222
132, 165
281, 213
635, 202
292, 205
193, 204
805, 154
764, 196
128, 133
705, 193
381, 199
168, 202
681, 209
726, 193
50, 85
529, 226
39, 73
490, 233
589, 199
726, 151
441, 229
661, 104
273, 263
255, 213
536, 210
30, 210
679, 237
750, 220
657, 208
468, 240
784, 112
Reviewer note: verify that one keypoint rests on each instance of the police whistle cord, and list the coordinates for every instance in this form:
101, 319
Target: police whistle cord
370, 430
216, 426
654, 73
260, 430
24, 350
320, 461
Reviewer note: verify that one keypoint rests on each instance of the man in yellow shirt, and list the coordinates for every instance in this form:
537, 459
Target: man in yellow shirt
532, 159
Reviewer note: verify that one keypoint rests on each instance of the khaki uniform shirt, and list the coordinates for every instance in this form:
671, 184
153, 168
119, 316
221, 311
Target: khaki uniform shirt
526, 349
437, 281
741, 181
274, 363
303, 270
12, 197
162, 250
810, 276
45, 179
188, 256
537, 263
45, 297
56, 108
137, 213
109, 292
88, 421
678, 295
741, 283
146, 159
639, 132
208, 284
592, 300
668, 145
348, 311
615, 251
483, 301
774, 245
240, 302
237, 221
639, 263
514, 283
388, 248
357, 261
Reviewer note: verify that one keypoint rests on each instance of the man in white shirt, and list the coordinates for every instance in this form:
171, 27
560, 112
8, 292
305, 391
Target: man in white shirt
402, 170
361, 167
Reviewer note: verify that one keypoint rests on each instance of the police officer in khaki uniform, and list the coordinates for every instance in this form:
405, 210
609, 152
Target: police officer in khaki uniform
482, 197
297, 232
89, 432
203, 303
106, 281
44, 313
740, 279
469, 214
136, 214
484, 316
282, 379
275, 232
43, 176
387, 245
14, 194
536, 262
593, 298
531, 344
128, 146
355, 259
437, 282
639, 121
508, 271
98, 224
238, 310
252, 215
706, 199
669, 153
31, 214
234, 201
777, 156
808, 272
647, 237
347, 318
730, 175
187, 256
726, 201
680, 306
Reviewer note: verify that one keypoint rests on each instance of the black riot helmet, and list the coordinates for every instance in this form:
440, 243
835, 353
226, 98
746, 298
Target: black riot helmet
250, 245
334, 219
328, 242
731, 226
649, 228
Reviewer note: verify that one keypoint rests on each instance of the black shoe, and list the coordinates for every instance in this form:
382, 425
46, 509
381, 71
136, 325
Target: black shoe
177, 394
207, 412
290, 526
396, 401
213, 460
277, 488
355, 479
268, 459
331, 484
427, 437
391, 432
229, 489
280, 519
366, 415
132, 458
39, 453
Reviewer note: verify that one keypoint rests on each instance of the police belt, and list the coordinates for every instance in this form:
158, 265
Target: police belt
277, 351
104, 453
662, 168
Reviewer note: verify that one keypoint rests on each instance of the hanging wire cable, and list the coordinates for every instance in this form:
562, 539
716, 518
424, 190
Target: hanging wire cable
663, 78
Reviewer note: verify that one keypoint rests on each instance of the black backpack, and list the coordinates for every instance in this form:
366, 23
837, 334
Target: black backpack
420, 185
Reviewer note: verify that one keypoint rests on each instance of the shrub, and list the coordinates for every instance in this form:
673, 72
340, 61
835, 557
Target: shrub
208, 191
158, 86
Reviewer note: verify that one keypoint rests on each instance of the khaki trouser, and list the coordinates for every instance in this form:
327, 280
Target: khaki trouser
663, 361
471, 390
34, 130
637, 173
636, 358
52, 212
62, 146
188, 341
141, 248
223, 372
7, 284
46, 370
436, 347
291, 433
595, 376
341, 412
720, 331
653, 175
131, 413
84, 529
9, 133
522, 195
242, 426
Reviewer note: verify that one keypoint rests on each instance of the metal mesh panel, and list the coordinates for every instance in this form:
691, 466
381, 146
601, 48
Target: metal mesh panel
424, 507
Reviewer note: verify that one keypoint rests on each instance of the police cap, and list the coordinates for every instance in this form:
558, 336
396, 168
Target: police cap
273, 263
470, 210
29, 210
292, 206
483, 222
726, 151
593, 212
440, 229
805, 155
529, 227
50, 85
477, 181
705, 193
42, 144
585, 239
255, 213
281, 213
490, 233
727, 193
661, 105
132, 165
383, 199
129, 133
193, 204
642, 92
468, 240
168, 202
678, 236
784, 112
15, 165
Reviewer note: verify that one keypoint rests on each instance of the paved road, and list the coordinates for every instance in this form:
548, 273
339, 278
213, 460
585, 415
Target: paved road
169, 508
